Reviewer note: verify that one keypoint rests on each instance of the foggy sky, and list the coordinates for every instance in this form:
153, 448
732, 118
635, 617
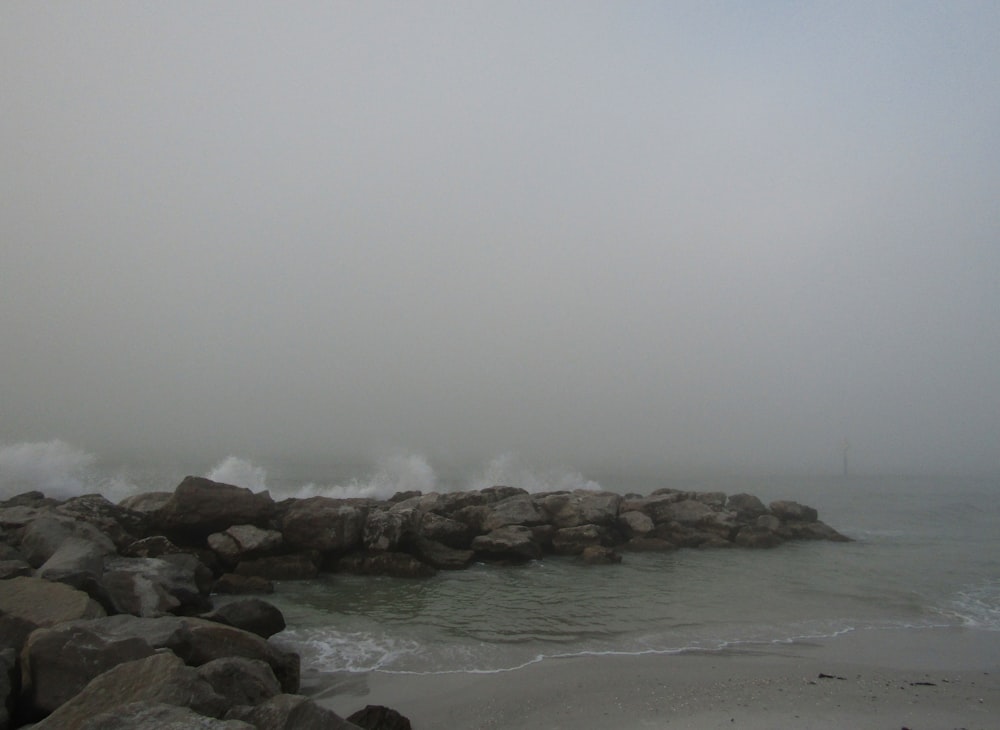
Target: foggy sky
667, 235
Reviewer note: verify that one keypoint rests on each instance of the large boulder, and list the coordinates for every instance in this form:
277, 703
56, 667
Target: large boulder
44, 603
241, 542
241, 585
241, 681
122, 525
441, 556
518, 509
198, 641
378, 717
199, 507
513, 542
250, 614
746, 506
9, 685
581, 507
42, 537
445, 530
574, 540
158, 678
323, 524
57, 662
386, 530
150, 587
754, 536
635, 523
158, 716
289, 712
77, 562
788, 511
146, 502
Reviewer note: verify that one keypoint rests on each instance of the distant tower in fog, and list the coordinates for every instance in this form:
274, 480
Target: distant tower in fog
846, 445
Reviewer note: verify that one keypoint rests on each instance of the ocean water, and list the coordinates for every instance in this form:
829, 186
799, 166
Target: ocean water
926, 553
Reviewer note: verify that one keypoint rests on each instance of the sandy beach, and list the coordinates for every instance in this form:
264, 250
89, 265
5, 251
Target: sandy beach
921, 679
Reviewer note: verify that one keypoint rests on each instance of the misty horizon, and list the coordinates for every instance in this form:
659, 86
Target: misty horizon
605, 237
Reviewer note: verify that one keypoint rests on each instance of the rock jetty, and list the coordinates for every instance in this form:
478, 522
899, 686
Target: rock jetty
106, 611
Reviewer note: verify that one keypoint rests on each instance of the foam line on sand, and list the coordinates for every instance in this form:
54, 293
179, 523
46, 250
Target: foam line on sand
917, 678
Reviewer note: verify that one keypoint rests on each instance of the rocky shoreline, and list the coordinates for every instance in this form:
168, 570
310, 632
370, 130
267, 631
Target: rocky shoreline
107, 621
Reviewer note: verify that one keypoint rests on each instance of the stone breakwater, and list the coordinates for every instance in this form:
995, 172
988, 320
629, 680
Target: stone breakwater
106, 611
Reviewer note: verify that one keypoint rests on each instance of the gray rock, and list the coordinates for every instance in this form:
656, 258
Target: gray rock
198, 641
290, 712
574, 540
746, 506
788, 511
199, 507
9, 685
45, 603
377, 717
240, 542
445, 530
649, 545
250, 614
151, 547
159, 678
120, 524
241, 681
298, 566
323, 524
635, 523
513, 542
77, 562
386, 530
599, 555
147, 502
441, 556
754, 536
58, 662
14, 568
519, 509
233, 584
159, 716
150, 587
581, 507
43, 536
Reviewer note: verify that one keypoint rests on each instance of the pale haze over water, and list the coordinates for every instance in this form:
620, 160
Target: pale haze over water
610, 237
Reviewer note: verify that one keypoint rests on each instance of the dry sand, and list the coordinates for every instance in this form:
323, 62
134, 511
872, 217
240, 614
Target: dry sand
921, 679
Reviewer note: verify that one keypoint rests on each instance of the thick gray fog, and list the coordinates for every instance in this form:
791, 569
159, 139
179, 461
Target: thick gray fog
605, 235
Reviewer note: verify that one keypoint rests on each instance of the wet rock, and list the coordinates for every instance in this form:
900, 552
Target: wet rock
386, 530
323, 524
58, 662
441, 556
158, 716
159, 678
43, 536
199, 507
290, 712
241, 681
573, 540
146, 502
445, 530
176, 583
14, 568
151, 547
120, 524
519, 509
377, 717
649, 545
233, 584
753, 536
45, 603
241, 542
746, 506
788, 511
513, 542
598, 555
635, 523
581, 507
250, 614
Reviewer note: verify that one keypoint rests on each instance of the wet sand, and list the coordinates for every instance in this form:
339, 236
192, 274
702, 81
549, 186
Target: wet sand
914, 678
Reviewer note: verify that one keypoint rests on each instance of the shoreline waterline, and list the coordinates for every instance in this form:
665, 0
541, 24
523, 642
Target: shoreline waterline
900, 675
